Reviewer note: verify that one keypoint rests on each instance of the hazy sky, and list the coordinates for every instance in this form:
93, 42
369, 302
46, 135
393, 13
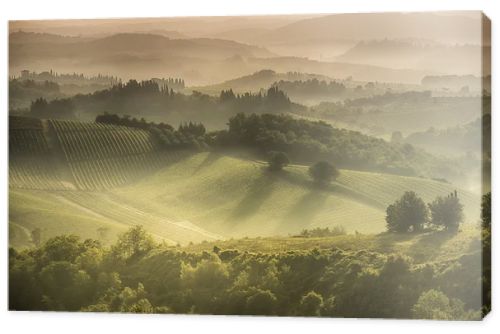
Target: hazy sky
452, 42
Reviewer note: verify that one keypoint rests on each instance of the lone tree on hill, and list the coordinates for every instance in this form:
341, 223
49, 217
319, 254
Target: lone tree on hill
447, 212
409, 213
277, 160
323, 172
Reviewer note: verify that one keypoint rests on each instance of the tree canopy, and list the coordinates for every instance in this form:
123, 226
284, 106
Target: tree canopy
277, 160
323, 172
447, 212
409, 213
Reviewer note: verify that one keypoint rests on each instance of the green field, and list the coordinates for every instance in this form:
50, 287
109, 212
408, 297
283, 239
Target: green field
96, 181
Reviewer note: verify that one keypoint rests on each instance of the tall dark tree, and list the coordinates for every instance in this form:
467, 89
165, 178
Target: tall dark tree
447, 212
409, 213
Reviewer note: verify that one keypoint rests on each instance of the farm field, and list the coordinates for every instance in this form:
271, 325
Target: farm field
208, 196
97, 180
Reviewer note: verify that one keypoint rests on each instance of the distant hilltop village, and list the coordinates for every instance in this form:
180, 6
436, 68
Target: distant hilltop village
68, 78
100, 79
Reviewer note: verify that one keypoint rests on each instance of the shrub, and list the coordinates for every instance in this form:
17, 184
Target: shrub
277, 160
323, 172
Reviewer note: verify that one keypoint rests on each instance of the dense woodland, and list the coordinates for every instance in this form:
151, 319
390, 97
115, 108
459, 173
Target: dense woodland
137, 275
307, 141
302, 140
149, 98
22, 92
312, 88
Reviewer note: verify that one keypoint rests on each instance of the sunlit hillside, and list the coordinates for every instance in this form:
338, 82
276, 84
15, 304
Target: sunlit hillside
69, 177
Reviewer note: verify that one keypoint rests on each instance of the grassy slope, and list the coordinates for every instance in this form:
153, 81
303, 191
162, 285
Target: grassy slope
207, 195
240, 197
422, 248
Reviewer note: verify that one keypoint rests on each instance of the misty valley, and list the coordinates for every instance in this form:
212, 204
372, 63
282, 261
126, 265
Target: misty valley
323, 165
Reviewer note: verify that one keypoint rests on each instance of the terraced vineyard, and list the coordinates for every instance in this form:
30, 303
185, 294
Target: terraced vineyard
103, 156
61, 173
31, 163
64, 155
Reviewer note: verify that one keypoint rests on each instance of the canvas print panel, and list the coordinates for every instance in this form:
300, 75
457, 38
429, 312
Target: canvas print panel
301, 165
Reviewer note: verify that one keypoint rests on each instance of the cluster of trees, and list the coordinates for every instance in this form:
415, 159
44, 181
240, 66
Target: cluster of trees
16, 85
411, 214
306, 141
321, 172
173, 83
319, 232
22, 92
390, 97
351, 111
149, 98
55, 109
257, 125
457, 139
283, 138
132, 122
137, 275
188, 135
273, 100
336, 111
311, 87
68, 78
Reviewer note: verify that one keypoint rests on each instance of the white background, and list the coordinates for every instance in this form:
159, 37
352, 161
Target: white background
37, 322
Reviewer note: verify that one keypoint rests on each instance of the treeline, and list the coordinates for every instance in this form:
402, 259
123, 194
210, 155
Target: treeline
273, 100
68, 78
302, 141
389, 97
137, 275
319, 232
410, 213
188, 134
55, 109
310, 141
458, 139
350, 110
22, 92
310, 88
172, 83
148, 98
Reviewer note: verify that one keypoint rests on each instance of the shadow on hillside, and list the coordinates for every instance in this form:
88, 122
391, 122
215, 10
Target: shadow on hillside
421, 246
430, 243
255, 196
296, 179
210, 159
304, 211
386, 242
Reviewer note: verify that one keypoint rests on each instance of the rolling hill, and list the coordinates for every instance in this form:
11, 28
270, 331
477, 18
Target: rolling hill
257, 81
417, 54
132, 55
98, 180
